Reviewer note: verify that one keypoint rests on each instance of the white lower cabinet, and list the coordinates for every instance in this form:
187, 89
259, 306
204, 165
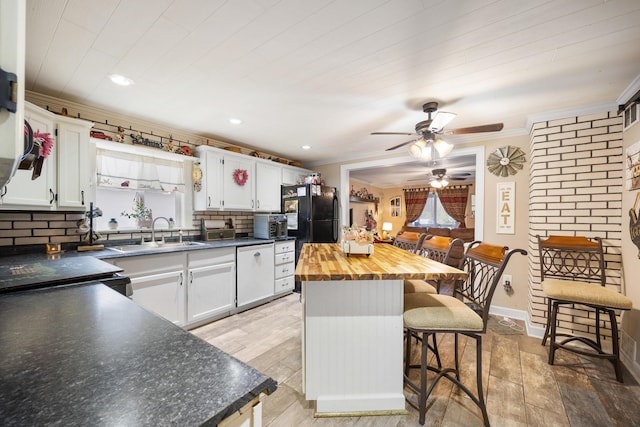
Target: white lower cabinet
211, 289
158, 283
255, 273
285, 266
187, 288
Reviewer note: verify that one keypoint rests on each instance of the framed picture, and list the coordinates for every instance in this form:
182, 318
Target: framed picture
395, 206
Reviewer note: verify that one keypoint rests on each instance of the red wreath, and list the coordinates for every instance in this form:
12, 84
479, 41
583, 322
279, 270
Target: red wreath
240, 176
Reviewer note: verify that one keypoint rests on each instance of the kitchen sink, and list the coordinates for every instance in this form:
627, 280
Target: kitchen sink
154, 246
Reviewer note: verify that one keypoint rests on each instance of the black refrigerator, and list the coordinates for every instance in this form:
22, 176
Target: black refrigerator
312, 215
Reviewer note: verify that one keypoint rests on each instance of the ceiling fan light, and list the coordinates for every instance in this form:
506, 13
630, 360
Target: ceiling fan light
443, 147
444, 182
436, 183
415, 150
441, 119
426, 154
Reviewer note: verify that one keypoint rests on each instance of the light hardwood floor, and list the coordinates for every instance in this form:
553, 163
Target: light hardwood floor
521, 388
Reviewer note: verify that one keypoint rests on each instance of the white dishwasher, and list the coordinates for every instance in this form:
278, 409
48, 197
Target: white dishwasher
255, 273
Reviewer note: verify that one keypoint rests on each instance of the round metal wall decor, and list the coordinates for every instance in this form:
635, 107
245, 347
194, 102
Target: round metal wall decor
506, 161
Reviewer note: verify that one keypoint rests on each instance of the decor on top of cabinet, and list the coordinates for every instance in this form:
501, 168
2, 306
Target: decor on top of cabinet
240, 176
140, 212
506, 161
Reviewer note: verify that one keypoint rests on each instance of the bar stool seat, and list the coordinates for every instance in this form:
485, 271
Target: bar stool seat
440, 312
585, 293
412, 286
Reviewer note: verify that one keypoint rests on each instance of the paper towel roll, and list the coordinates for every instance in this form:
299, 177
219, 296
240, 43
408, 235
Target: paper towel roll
214, 223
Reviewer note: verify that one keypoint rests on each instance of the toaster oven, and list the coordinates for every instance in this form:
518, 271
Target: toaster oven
270, 226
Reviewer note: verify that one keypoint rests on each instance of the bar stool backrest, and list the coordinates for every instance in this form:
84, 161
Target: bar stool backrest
445, 250
484, 264
408, 240
575, 258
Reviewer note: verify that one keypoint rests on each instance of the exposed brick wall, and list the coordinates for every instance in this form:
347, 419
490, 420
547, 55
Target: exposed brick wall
575, 188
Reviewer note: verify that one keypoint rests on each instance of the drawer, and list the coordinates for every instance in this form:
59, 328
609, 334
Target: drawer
284, 270
284, 284
288, 246
285, 258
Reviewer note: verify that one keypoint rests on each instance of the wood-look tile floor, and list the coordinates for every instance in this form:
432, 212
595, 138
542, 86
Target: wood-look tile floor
521, 388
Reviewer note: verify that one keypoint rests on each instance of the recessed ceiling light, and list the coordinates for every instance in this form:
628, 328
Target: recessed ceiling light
120, 80
235, 121
306, 147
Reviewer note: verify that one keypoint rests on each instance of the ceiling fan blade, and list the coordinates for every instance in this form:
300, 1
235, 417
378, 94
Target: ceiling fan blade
394, 133
441, 119
400, 145
493, 127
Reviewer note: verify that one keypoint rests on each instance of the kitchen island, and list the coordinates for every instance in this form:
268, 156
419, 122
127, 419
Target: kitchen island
86, 355
353, 328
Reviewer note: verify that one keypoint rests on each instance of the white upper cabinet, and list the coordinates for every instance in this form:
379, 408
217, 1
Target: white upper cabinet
239, 182
23, 191
268, 181
292, 175
76, 164
67, 178
210, 194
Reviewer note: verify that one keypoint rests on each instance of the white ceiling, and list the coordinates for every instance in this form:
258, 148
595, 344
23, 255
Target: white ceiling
327, 73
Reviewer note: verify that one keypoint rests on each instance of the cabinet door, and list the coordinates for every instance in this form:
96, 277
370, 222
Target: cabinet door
12, 49
210, 195
39, 192
268, 182
162, 294
75, 159
211, 291
238, 195
255, 275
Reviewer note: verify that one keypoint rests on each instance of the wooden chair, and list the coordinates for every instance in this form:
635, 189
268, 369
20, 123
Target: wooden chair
571, 268
427, 314
445, 250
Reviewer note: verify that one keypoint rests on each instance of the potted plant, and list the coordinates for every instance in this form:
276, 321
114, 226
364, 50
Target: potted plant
140, 212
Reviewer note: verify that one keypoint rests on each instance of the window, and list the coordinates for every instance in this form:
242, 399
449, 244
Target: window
396, 209
434, 215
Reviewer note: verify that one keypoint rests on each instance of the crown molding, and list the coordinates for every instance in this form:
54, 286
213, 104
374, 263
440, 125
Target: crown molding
630, 90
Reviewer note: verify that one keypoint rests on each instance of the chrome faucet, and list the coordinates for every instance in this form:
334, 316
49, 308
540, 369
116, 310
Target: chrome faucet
153, 229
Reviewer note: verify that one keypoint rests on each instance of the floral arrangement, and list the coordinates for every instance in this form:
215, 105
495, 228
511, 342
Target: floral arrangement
44, 141
358, 234
138, 210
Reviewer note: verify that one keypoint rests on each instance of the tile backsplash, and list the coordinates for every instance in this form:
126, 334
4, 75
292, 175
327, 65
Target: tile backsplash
24, 229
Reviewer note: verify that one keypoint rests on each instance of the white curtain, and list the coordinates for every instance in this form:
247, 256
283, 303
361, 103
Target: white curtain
124, 170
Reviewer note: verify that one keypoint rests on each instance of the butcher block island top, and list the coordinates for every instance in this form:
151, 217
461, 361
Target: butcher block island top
326, 261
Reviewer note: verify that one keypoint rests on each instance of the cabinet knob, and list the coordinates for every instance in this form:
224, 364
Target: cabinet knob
256, 254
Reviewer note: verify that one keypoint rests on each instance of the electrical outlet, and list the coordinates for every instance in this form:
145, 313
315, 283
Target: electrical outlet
506, 278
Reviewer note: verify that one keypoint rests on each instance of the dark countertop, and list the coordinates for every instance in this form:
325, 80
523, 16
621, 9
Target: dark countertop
23, 272
86, 355
107, 253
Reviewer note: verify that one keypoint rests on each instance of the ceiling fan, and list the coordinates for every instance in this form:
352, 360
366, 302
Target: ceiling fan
428, 131
440, 179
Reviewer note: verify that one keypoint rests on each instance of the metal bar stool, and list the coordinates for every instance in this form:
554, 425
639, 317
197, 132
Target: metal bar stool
571, 268
427, 314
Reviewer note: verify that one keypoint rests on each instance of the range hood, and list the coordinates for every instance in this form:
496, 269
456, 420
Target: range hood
12, 52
